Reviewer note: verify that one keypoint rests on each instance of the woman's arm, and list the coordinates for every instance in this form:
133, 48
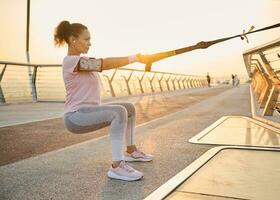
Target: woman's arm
116, 62
89, 64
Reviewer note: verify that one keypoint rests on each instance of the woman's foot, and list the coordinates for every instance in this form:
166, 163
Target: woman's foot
137, 155
124, 172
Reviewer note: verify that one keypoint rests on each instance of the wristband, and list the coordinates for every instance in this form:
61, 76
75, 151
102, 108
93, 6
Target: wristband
132, 59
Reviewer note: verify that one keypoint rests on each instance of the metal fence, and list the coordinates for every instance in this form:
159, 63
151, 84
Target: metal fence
21, 82
263, 66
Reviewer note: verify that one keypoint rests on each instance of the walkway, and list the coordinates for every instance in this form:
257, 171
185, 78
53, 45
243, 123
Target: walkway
79, 171
29, 139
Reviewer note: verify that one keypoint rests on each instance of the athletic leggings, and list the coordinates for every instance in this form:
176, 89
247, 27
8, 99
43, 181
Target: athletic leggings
121, 117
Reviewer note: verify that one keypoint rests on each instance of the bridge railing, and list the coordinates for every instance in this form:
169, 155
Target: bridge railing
22, 82
263, 66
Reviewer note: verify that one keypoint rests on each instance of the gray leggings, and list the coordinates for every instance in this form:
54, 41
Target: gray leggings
121, 117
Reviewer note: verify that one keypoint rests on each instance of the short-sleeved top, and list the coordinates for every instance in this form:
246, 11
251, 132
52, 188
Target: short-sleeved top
82, 88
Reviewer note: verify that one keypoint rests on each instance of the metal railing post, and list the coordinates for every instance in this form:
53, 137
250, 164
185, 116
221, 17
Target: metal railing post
110, 80
159, 82
140, 82
187, 81
151, 82
34, 75
193, 82
173, 80
190, 82
183, 81
178, 81
261, 83
127, 82
167, 80
2, 97
199, 81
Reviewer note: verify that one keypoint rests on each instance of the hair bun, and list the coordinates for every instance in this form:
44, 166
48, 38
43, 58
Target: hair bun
64, 30
65, 24
62, 33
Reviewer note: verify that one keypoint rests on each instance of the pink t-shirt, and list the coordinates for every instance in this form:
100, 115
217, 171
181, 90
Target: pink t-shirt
82, 88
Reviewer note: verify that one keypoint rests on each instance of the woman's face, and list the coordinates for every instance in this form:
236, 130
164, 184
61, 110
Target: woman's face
82, 42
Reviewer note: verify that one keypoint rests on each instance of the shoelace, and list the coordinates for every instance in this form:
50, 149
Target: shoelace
126, 167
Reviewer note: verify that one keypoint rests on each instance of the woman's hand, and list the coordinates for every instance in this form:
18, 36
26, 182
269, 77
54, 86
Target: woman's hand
145, 59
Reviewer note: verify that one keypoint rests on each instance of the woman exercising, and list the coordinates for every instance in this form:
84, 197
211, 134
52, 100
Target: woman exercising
83, 110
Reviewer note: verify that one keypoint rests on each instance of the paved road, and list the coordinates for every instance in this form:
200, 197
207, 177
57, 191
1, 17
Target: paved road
79, 171
30, 139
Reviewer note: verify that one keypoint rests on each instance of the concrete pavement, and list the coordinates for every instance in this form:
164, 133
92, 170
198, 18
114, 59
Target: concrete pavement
79, 171
14, 114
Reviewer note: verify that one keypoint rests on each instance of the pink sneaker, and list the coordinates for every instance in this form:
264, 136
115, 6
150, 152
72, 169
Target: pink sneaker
124, 172
137, 156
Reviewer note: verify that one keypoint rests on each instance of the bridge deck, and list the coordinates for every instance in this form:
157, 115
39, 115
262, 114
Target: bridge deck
79, 171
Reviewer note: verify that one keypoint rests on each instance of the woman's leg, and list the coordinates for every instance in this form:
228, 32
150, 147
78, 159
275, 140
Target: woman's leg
132, 152
92, 118
131, 123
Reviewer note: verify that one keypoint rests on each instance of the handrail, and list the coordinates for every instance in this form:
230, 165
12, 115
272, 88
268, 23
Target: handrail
117, 81
59, 65
264, 75
29, 64
263, 47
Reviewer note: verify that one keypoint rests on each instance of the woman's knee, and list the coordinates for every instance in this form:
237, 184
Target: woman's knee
121, 113
130, 109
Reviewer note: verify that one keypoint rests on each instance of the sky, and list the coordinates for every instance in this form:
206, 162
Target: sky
126, 27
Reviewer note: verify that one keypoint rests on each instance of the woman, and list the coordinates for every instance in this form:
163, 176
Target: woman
83, 111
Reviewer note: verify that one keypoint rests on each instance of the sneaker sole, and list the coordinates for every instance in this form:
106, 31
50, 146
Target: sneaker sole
130, 159
124, 178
